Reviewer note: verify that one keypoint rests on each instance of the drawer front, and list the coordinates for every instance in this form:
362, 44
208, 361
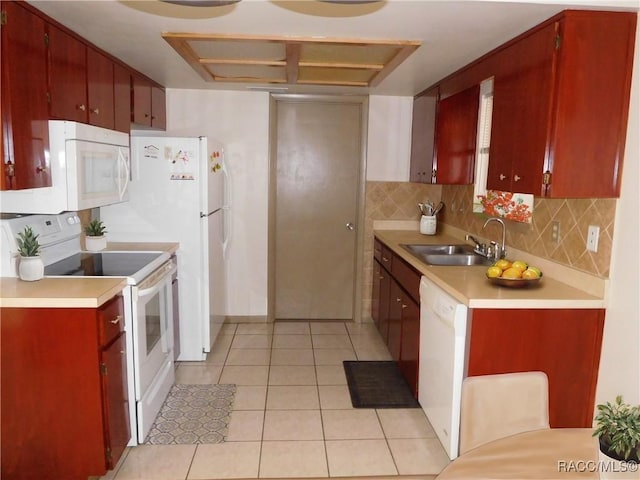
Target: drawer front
406, 276
377, 249
386, 257
111, 320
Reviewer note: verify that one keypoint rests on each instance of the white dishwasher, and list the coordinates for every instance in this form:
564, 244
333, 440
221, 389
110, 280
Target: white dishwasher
443, 329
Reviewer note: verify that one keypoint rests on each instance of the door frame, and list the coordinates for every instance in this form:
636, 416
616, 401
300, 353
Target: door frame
358, 266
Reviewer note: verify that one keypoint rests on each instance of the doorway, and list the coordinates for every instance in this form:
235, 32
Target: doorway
317, 205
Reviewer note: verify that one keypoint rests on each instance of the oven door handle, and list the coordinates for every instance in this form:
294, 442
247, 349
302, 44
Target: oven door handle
161, 278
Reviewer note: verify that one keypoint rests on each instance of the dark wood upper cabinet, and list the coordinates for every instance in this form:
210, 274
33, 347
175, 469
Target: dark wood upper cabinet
158, 108
122, 98
423, 136
521, 104
100, 88
561, 99
456, 133
148, 104
67, 77
560, 105
25, 133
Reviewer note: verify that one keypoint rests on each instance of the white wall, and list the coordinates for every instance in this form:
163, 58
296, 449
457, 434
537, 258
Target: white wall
240, 120
620, 360
389, 138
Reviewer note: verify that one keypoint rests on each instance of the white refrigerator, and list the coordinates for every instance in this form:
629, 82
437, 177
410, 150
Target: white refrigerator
177, 194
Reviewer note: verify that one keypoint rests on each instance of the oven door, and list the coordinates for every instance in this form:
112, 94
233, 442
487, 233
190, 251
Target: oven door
152, 345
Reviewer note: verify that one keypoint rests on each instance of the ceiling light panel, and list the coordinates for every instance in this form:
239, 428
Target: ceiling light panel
291, 60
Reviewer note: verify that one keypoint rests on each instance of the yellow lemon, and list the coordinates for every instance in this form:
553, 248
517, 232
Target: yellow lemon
503, 264
530, 274
520, 265
493, 271
512, 273
535, 269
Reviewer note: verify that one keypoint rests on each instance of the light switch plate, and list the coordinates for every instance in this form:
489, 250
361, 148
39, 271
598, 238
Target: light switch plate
592, 238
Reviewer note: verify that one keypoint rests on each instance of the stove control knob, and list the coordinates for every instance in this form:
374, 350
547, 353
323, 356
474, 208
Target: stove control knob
70, 220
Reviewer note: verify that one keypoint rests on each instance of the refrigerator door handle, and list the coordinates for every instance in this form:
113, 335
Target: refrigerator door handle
204, 215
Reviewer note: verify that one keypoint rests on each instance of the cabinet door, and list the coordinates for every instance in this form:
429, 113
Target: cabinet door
521, 113
141, 101
383, 309
394, 337
122, 98
25, 132
375, 292
67, 76
158, 108
410, 345
100, 88
115, 400
456, 133
423, 136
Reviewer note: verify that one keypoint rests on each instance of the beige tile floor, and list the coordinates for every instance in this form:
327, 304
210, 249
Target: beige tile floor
292, 415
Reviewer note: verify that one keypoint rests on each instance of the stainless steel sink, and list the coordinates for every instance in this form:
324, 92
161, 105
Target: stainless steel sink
452, 255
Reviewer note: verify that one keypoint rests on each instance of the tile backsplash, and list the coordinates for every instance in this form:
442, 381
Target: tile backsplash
573, 215
398, 201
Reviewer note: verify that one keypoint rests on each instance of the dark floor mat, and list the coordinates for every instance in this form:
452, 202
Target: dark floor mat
376, 384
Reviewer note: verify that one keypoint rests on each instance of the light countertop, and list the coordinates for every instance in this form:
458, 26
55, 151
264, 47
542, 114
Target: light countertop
470, 286
72, 292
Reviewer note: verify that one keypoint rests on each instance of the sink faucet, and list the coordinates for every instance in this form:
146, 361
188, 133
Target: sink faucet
497, 250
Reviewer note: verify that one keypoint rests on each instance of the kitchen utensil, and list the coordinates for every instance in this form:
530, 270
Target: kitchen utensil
438, 208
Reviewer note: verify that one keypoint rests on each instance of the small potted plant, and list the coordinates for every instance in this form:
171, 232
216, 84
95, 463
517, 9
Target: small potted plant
95, 240
618, 429
31, 267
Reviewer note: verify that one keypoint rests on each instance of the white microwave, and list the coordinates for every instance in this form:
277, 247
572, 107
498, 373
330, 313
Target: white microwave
89, 168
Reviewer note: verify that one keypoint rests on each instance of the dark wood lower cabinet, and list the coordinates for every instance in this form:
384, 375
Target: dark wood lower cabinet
410, 343
396, 310
565, 344
63, 391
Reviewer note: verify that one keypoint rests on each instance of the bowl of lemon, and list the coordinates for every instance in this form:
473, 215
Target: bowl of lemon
516, 274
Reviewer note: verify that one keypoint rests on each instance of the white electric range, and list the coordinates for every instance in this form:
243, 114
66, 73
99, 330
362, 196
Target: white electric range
147, 302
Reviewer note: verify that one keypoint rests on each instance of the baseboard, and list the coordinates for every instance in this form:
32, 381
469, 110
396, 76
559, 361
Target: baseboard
245, 319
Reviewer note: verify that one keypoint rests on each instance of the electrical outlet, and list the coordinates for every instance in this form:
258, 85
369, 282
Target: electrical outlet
592, 238
555, 231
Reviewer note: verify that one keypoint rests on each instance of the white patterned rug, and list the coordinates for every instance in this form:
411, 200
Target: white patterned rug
193, 414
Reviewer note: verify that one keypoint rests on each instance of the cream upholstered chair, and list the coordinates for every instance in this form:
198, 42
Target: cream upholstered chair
496, 406
505, 434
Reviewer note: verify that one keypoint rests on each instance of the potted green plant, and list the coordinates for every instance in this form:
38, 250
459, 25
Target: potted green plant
618, 429
95, 239
31, 267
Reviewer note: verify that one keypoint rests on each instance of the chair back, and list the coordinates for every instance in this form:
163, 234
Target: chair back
497, 406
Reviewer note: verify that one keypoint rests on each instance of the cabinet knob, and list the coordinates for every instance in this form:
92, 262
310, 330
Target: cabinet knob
516, 178
41, 169
385, 259
404, 306
116, 320
502, 177
350, 226
96, 111
381, 277
398, 300
82, 107
146, 115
